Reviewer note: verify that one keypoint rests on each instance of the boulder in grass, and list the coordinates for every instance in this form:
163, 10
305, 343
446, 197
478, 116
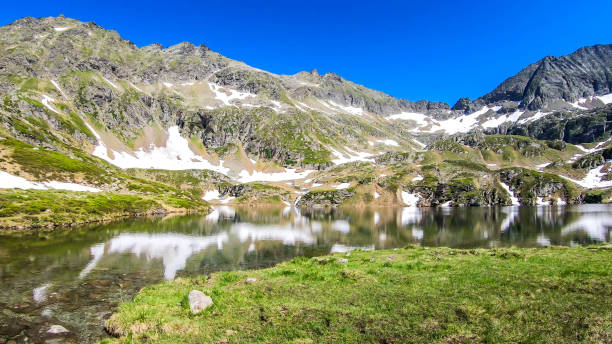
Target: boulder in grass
198, 301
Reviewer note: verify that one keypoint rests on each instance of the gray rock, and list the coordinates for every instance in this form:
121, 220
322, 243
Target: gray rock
198, 301
250, 280
343, 261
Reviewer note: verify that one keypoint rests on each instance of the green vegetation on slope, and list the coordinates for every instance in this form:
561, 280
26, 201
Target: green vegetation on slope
553, 295
50, 208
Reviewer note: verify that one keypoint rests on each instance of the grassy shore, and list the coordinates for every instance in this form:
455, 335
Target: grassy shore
552, 295
26, 209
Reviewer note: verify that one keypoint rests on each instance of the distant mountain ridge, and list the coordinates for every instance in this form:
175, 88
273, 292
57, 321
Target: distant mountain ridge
585, 73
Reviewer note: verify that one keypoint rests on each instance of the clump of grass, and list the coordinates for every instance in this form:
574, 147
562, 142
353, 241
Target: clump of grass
409, 295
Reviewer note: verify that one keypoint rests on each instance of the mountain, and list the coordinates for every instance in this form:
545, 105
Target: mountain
580, 77
174, 129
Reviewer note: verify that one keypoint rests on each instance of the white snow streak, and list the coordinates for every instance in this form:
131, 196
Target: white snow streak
46, 100
350, 156
388, 142
350, 109
513, 198
9, 181
224, 97
110, 83
256, 176
342, 186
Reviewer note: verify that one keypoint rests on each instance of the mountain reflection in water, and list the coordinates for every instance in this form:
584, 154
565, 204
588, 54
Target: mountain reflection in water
75, 277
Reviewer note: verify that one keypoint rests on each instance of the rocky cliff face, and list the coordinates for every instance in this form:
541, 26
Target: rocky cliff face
585, 73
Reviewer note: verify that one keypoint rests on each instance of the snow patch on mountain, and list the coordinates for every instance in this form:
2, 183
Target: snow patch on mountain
289, 174
9, 181
389, 142
350, 156
342, 186
593, 179
496, 122
349, 109
222, 94
176, 155
410, 199
606, 99
419, 118
211, 195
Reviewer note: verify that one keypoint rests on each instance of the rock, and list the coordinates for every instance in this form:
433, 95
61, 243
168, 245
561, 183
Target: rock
198, 301
462, 104
250, 280
325, 198
57, 329
343, 261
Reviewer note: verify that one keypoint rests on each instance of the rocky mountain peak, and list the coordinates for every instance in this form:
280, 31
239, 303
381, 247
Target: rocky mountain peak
585, 73
462, 104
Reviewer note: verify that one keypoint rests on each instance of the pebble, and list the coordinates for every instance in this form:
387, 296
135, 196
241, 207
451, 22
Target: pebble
250, 280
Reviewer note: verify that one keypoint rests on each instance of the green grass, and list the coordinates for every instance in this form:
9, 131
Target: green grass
412, 295
21, 209
42, 162
49, 208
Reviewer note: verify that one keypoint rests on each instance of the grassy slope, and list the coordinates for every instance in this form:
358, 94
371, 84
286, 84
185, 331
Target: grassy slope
49, 208
558, 295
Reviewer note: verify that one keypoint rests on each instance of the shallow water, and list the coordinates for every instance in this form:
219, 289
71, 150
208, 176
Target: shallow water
76, 277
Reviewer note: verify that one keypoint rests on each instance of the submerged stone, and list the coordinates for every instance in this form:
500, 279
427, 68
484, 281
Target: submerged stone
57, 329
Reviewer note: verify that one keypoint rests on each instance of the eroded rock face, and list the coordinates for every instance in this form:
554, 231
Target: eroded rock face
586, 72
581, 127
198, 301
325, 198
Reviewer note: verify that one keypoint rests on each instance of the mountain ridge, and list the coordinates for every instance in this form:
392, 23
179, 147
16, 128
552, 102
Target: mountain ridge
84, 100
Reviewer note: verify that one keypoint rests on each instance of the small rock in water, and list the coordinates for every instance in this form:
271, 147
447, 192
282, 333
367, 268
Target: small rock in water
57, 329
343, 261
250, 280
198, 301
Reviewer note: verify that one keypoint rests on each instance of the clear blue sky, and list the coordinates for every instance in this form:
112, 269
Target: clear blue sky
431, 50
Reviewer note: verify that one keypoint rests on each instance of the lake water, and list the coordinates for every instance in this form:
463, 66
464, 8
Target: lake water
76, 277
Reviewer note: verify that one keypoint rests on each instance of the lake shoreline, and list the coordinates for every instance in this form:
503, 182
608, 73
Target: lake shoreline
24, 211
410, 294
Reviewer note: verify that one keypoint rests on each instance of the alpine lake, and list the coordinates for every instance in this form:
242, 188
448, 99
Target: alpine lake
75, 277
